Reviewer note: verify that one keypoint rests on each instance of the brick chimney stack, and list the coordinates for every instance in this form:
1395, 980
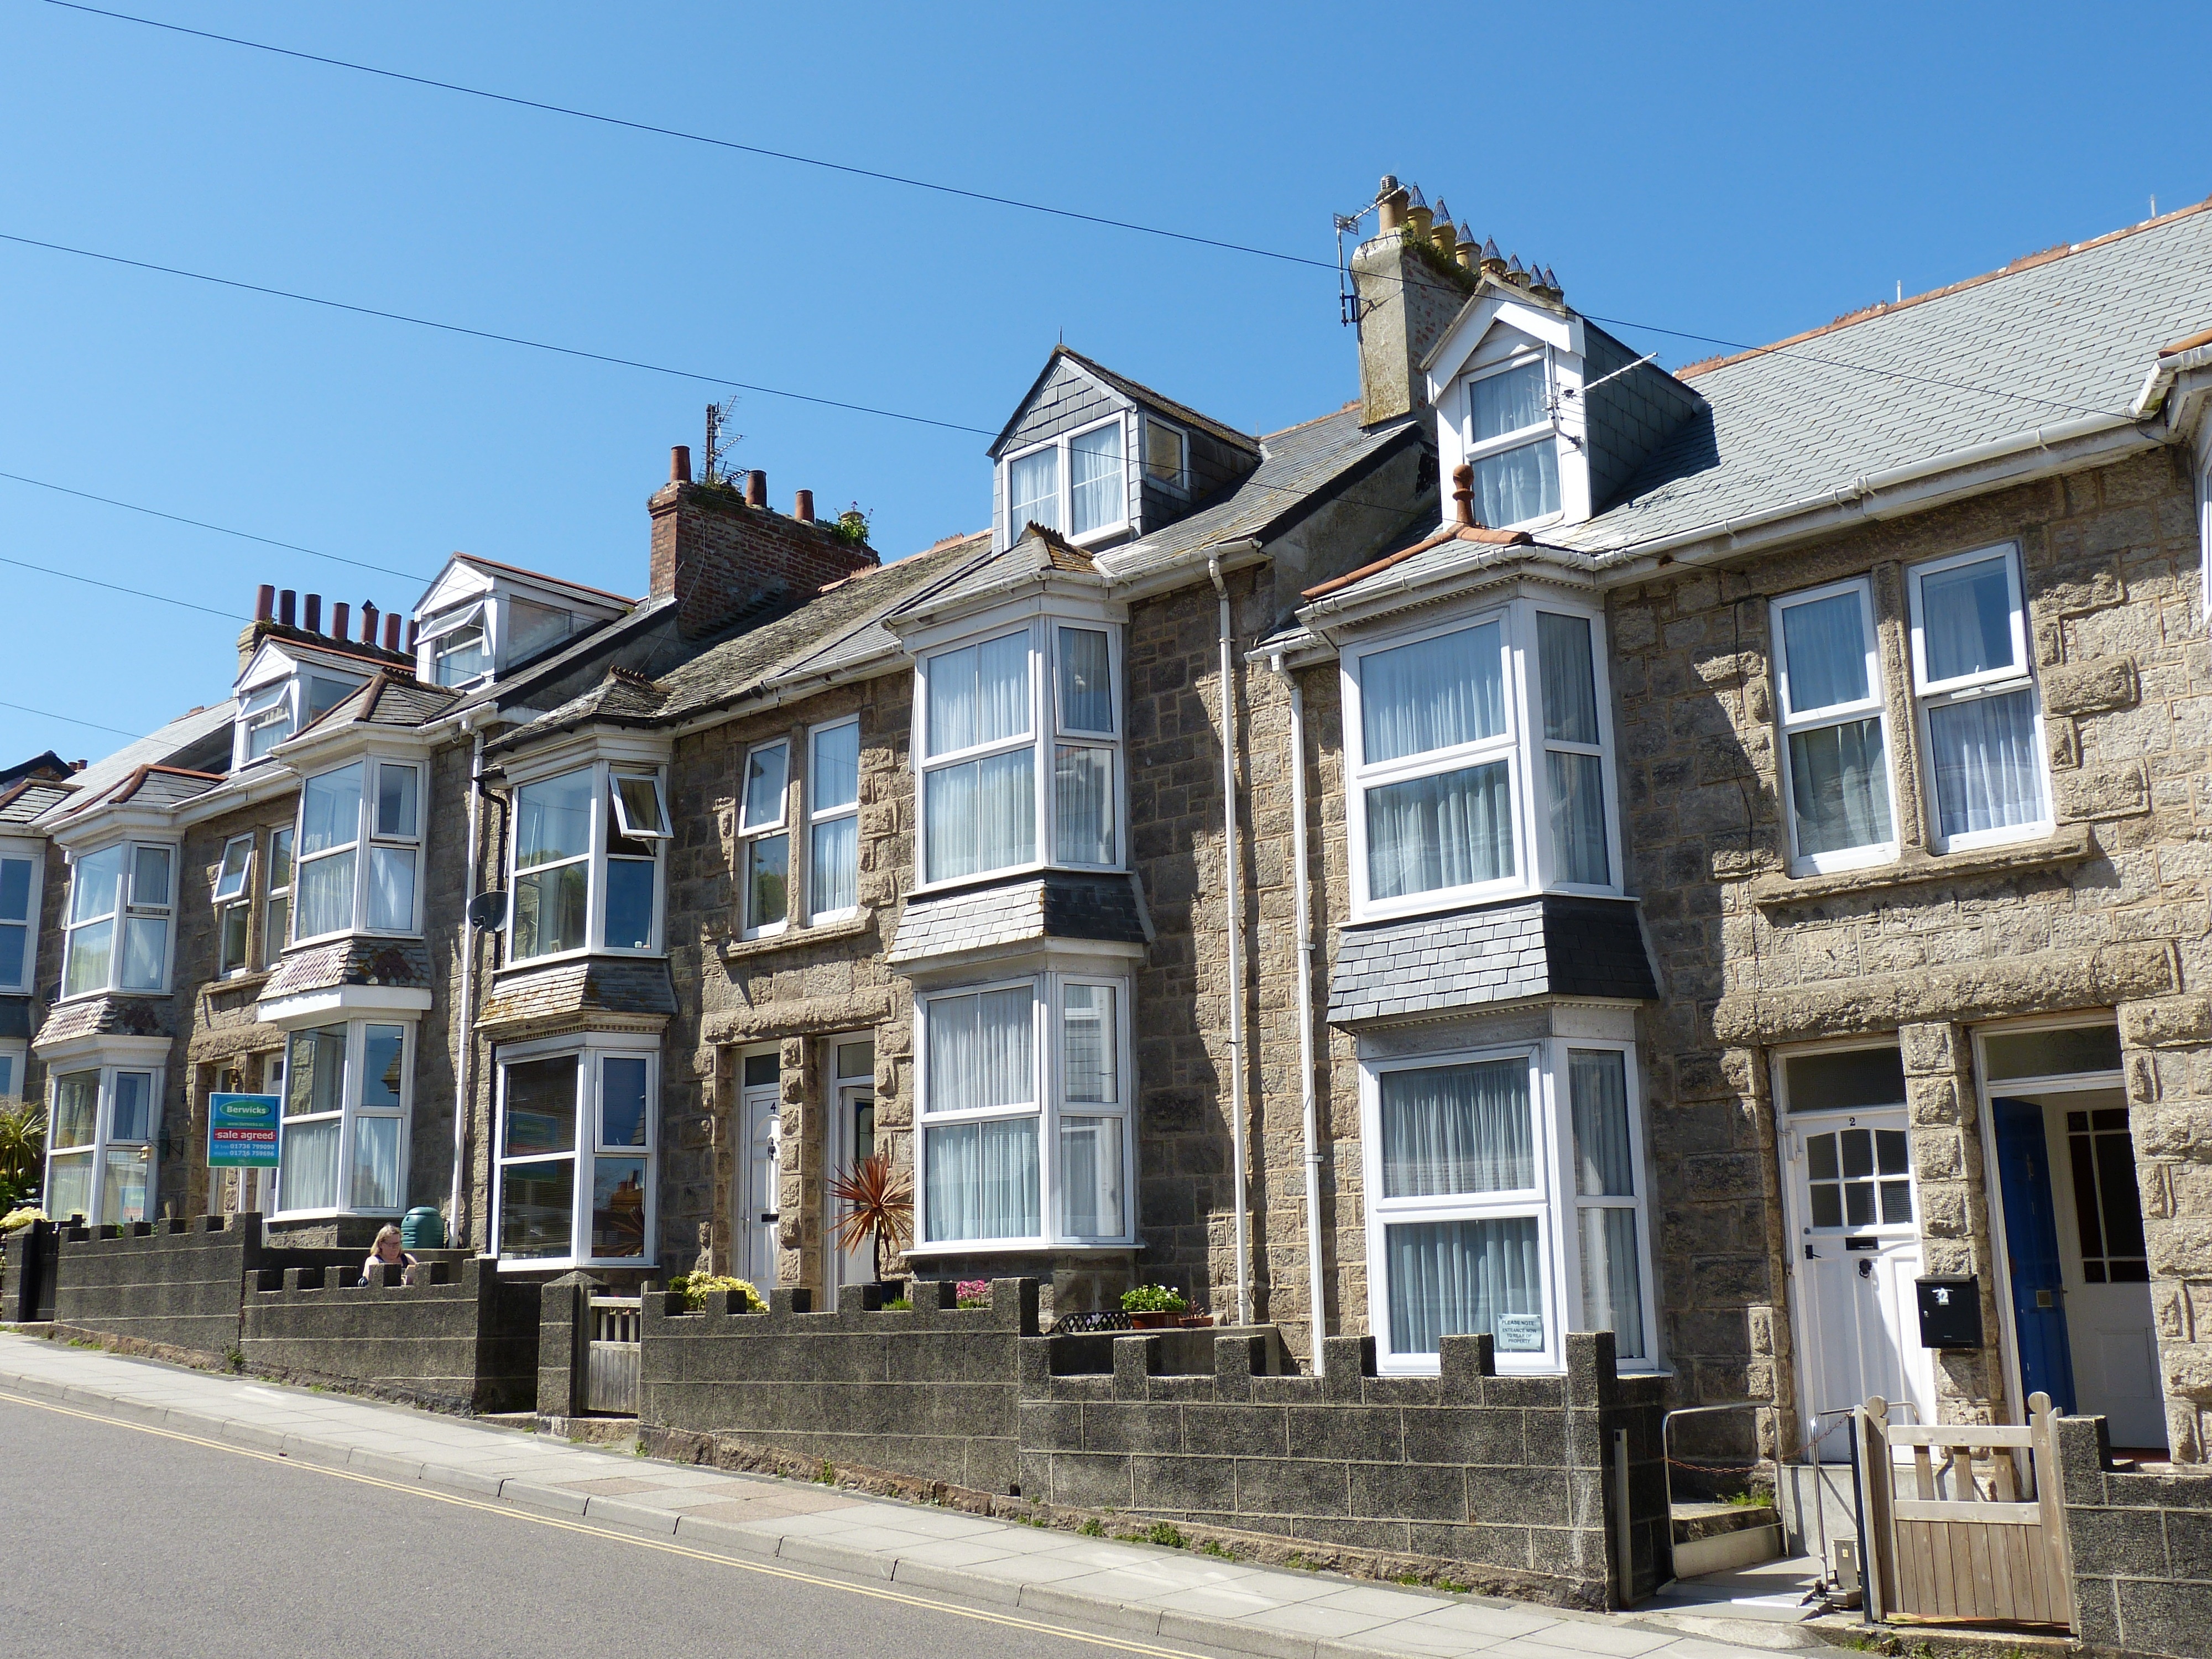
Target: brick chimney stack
720, 555
1405, 304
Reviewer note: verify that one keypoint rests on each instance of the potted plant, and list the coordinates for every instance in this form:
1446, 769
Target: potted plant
1153, 1307
878, 1207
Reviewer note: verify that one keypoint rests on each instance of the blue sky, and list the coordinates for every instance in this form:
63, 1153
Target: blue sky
1741, 172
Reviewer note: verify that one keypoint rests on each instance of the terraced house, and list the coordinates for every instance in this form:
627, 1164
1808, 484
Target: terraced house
1551, 845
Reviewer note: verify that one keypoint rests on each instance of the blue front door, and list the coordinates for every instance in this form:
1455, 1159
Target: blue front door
2039, 1282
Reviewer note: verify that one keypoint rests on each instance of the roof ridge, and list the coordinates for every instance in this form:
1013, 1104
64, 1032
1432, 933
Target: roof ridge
1889, 307
541, 576
1130, 387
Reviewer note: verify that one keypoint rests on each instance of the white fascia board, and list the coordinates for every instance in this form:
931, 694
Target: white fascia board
1474, 321
103, 826
343, 1001
270, 662
105, 1048
1056, 594
2160, 377
1036, 954
1485, 577
1186, 569
619, 746
318, 750
265, 781
456, 585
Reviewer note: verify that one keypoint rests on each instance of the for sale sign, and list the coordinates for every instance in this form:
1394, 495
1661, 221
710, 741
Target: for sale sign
242, 1132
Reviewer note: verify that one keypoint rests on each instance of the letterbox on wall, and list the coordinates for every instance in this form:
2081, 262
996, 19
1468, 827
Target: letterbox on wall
1951, 1312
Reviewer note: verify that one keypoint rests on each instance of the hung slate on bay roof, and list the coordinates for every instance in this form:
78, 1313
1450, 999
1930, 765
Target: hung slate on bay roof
1038, 552
27, 798
2051, 338
1295, 465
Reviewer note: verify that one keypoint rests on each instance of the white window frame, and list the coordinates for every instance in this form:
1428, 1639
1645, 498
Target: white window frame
818, 816
1553, 1202
104, 1134
475, 615
603, 828
129, 907
275, 935
591, 1050
231, 895
32, 855
1796, 722
350, 1109
263, 708
1521, 745
1064, 443
1474, 451
1929, 694
752, 836
368, 838
16, 1054
1048, 1106
1181, 483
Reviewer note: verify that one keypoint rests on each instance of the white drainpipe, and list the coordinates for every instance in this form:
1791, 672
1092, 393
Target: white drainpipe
1236, 1126
465, 1026
1310, 1106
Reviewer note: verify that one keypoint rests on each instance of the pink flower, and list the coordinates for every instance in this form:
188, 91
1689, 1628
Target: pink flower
971, 1290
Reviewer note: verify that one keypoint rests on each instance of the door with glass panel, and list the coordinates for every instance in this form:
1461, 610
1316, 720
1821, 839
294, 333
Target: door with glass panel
1855, 1238
759, 1156
852, 1140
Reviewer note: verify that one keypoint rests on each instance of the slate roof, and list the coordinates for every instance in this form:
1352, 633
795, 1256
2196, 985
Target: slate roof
1135, 391
1056, 905
107, 1015
29, 798
350, 962
2052, 337
1039, 552
1553, 945
1294, 463
152, 750
388, 700
567, 994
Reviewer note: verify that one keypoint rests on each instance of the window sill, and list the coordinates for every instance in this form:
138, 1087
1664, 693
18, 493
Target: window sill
2072, 844
795, 939
532, 1264
1015, 1247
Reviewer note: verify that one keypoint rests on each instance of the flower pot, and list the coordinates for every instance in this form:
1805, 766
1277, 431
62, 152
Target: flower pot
1155, 1319
1195, 1322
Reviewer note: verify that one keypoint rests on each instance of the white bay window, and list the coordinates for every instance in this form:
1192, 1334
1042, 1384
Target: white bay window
105, 1120
1975, 692
586, 863
576, 1150
121, 901
1024, 1137
359, 849
1835, 747
348, 1095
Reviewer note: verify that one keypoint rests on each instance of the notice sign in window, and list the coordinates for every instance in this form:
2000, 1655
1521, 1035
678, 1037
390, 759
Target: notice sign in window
242, 1132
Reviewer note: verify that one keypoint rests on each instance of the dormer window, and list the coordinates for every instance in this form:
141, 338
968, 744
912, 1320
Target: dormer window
270, 712
1098, 491
1512, 444
1033, 490
1167, 455
1077, 485
458, 651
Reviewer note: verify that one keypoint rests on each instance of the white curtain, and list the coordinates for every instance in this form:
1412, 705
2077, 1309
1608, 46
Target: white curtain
1518, 484
1578, 816
1091, 1177
1083, 804
1984, 753
1824, 651
1090, 1029
145, 951
1451, 829
836, 778
1506, 403
1096, 478
68, 1186
1453, 1278
1086, 681
982, 1050
391, 888
979, 694
1613, 1281
1966, 619
308, 1160
1597, 1088
1434, 694
982, 1179
1457, 1129
835, 870
1563, 651
982, 815
376, 1163
327, 895
123, 1184
77, 1113
330, 809
1840, 786
1034, 484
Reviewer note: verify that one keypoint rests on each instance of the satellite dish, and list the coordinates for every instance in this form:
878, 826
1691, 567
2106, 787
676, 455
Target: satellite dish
488, 911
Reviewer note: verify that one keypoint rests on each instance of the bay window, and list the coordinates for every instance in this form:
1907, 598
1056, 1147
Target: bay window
764, 850
234, 909
586, 862
1509, 1202
1835, 747
121, 899
18, 925
99, 1148
1976, 693
833, 813
14, 1058
348, 1094
360, 845
1512, 445
979, 759
576, 1150
1025, 1113
1480, 764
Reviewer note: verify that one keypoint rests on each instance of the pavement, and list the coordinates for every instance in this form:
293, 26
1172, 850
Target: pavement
824, 1535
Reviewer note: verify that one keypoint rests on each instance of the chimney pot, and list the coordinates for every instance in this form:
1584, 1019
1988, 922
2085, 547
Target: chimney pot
265, 602
414, 631
1419, 219
1467, 252
341, 613
679, 463
367, 623
288, 608
1446, 238
1463, 493
311, 617
802, 506
1390, 202
391, 631
756, 489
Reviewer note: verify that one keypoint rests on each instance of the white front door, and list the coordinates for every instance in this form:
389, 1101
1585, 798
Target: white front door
853, 1139
2107, 1278
1855, 1253
759, 1156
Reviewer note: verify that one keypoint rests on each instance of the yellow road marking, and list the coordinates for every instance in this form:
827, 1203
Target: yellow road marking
1119, 1644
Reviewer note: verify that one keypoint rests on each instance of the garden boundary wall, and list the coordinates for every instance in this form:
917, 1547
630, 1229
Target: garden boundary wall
2142, 1547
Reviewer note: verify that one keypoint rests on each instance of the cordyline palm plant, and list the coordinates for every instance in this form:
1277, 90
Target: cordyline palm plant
22, 1148
879, 1206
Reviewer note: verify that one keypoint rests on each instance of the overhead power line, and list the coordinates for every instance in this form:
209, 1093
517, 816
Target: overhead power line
113, 587
49, 714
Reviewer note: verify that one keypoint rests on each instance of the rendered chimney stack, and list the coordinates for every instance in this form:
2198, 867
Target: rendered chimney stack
1463, 494
1445, 238
391, 631
802, 506
288, 602
265, 602
341, 613
311, 617
679, 463
756, 489
1418, 218
1404, 305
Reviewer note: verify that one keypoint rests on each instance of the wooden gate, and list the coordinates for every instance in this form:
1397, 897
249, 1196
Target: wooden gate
1981, 1536
610, 1361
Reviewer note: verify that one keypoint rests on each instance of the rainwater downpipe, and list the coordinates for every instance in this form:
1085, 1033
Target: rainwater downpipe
1236, 952
464, 1067
1309, 1106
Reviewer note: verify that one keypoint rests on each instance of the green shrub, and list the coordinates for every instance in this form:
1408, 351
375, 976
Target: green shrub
693, 1288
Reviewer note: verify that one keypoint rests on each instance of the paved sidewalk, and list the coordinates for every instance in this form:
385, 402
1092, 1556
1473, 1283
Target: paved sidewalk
1137, 1590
